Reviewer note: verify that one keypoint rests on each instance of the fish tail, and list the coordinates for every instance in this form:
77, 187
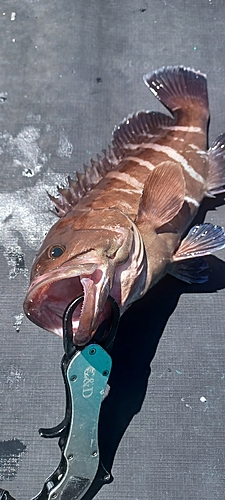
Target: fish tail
179, 88
216, 177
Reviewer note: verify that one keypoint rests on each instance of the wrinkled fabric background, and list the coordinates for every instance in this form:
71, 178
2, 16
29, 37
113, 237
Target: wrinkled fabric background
70, 70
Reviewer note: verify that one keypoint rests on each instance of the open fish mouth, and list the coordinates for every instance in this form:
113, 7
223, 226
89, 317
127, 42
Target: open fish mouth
49, 296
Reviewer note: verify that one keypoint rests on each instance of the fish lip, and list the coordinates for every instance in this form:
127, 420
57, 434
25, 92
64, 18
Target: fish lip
62, 272
49, 295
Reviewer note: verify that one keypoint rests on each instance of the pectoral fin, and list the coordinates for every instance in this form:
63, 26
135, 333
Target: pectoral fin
163, 194
202, 239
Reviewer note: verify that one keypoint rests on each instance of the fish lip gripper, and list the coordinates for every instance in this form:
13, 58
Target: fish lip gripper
86, 372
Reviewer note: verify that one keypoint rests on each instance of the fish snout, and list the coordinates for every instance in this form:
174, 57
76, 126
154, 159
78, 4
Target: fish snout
48, 298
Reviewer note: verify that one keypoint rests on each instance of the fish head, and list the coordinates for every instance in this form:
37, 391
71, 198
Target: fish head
79, 257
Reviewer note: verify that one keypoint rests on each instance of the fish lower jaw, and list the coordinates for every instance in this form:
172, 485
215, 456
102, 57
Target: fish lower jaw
45, 305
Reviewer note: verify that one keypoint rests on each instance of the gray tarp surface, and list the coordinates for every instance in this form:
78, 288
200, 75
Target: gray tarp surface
70, 70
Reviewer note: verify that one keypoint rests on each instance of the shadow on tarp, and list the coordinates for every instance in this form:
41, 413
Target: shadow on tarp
136, 342
139, 332
137, 339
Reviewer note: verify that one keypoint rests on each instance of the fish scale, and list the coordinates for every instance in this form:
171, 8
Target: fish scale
121, 223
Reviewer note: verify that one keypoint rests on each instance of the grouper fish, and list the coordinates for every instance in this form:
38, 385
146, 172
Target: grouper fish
123, 224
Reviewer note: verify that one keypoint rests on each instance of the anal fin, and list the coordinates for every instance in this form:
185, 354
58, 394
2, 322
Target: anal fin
202, 239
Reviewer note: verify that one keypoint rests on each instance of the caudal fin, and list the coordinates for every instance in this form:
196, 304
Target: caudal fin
216, 177
178, 87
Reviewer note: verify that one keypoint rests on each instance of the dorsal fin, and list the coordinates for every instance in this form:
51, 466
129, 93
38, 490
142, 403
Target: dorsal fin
163, 194
135, 130
145, 126
69, 197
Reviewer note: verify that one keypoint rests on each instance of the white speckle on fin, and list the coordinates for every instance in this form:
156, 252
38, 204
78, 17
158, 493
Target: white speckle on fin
201, 240
216, 178
176, 87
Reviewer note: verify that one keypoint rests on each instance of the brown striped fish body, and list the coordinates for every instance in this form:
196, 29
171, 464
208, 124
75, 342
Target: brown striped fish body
121, 223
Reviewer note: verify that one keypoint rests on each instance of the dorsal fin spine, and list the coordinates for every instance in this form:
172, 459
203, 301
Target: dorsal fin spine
80, 178
73, 190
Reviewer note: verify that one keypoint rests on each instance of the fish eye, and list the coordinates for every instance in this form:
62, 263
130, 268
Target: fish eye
55, 251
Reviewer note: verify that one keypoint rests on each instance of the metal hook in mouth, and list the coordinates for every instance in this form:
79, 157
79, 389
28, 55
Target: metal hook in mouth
69, 346
105, 337
102, 336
